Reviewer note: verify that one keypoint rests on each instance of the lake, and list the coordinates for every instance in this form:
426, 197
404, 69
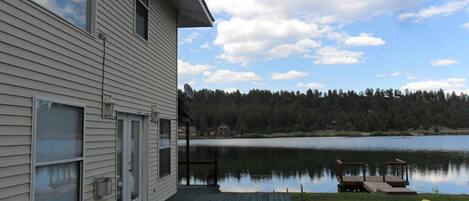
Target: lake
436, 163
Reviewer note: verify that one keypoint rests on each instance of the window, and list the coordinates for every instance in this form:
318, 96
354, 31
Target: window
165, 147
141, 18
58, 151
77, 12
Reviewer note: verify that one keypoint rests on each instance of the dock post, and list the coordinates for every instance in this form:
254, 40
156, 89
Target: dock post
385, 170
215, 173
301, 187
406, 173
402, 172
364, 173
188, 182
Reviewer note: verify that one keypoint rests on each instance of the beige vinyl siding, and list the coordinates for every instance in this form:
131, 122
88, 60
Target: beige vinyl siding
15, 140
43, 55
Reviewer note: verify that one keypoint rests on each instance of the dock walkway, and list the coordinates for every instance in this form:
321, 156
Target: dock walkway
231, 197
203, 194
383, 187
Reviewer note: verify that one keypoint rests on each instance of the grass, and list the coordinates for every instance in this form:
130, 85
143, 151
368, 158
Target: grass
375, 197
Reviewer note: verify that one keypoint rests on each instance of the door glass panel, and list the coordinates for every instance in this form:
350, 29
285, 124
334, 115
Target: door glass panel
135, 159
120, 132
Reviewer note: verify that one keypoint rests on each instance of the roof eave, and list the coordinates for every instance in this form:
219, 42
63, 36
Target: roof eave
193, 13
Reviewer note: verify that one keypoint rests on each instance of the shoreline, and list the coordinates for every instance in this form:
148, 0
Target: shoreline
333, 133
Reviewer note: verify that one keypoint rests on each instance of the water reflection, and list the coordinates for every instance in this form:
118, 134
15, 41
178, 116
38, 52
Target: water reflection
269, 168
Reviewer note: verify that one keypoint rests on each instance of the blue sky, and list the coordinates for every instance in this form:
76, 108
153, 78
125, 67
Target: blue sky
335, 44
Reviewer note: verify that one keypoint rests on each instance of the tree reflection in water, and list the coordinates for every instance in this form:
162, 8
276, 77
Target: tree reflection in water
267, 169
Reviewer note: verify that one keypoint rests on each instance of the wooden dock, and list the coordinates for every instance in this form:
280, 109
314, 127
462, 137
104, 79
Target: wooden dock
383, 187
203, 194
392, 184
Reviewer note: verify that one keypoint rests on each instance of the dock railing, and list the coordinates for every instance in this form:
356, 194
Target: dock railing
340, 168
399, 166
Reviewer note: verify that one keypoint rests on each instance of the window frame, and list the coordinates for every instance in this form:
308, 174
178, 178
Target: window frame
81, 159
90, 17
146, 6
165, 147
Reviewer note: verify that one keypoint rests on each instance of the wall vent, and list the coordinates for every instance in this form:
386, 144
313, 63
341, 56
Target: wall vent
102, 188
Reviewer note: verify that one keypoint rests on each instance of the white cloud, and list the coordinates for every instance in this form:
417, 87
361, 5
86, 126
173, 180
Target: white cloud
331, 10
259, 84
364, 39
190, 38
381, 75
288, 75
187, 69
257, 30
331, 55
444, 62
392, 74
447, 9
411, 77
227, 76
247, 40
205, 45
457, 85
311, 85
465, 26
230, 90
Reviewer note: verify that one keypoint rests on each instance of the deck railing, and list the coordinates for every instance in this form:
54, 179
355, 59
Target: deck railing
399, 166
340, 166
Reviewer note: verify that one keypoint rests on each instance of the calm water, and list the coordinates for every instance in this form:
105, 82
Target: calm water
437, 163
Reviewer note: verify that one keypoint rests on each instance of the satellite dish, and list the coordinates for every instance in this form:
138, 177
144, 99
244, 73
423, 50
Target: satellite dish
189, 91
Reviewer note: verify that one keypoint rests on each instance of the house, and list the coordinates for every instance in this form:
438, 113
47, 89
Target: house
223, 130
182, 131
88, 98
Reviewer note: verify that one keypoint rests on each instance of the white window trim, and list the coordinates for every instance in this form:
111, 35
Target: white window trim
166, 147
90, 18
35, 164
148, 20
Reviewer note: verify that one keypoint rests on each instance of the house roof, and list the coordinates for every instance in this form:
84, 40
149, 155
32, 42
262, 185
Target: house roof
192, 13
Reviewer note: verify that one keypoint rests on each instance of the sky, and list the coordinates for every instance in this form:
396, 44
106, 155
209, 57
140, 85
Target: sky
334, 44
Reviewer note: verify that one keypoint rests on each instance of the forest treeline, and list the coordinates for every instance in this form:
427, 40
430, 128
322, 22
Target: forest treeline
264, 111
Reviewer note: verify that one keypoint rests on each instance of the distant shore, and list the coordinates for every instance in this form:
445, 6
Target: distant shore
335, 133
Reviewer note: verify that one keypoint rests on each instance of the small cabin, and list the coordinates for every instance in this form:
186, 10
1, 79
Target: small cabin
223, 130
